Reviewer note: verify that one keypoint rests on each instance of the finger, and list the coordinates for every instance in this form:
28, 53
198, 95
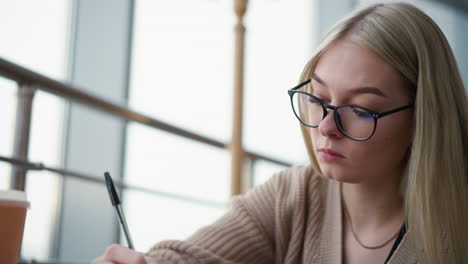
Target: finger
98, 260
122, 254
101, 260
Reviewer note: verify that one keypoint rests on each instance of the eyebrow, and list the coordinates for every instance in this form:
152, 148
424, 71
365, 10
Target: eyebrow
357, 90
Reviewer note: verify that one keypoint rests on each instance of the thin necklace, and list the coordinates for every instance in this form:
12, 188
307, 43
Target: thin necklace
354, 233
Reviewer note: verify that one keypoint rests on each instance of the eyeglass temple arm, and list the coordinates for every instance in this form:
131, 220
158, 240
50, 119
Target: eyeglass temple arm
395, 110
300, 85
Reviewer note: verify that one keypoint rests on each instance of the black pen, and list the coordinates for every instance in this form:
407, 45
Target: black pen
116, 203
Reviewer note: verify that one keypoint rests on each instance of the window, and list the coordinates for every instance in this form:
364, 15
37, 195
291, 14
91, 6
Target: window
279, 43
43, 188
36, 38
181, 74
182, 64
8, 93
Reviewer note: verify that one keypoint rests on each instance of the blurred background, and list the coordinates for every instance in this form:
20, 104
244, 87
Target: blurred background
172, 61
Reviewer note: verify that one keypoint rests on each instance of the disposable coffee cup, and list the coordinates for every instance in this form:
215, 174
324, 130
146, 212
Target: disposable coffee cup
13, 207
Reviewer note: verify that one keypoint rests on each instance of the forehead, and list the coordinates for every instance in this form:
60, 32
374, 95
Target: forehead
346, 65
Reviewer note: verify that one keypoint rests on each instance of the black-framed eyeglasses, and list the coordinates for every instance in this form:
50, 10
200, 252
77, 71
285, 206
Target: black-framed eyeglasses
353, 121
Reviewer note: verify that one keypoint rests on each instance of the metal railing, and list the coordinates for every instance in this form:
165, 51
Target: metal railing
26, 165
33, 80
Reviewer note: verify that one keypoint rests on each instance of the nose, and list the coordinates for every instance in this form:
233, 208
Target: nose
328, 127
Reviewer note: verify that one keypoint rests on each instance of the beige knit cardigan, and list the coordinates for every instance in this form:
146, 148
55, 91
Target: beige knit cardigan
293, 218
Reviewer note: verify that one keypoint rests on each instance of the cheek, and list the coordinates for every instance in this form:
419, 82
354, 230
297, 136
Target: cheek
388, 147
395, 136
314, 134
376, 157
317, 139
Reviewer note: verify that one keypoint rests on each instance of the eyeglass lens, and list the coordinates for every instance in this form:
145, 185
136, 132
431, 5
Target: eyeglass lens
354, 121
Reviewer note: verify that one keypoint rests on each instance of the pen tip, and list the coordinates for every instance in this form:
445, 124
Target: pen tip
111, 189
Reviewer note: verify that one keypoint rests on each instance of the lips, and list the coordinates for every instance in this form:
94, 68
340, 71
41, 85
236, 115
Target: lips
330, 152
330, 156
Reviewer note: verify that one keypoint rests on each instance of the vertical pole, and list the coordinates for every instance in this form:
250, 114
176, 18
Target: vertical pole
237, 153
101, 27
22, 132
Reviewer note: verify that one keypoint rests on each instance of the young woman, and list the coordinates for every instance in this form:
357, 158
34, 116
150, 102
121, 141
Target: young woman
384, 116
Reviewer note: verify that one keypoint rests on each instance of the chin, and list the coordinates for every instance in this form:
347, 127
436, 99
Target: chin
340, 175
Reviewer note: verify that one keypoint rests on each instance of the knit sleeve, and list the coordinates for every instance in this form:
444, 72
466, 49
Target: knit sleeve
242, 235
256, 228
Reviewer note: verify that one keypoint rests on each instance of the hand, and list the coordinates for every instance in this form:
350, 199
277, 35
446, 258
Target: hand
116, 254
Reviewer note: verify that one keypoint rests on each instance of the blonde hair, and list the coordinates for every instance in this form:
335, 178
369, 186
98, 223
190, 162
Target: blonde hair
435, 184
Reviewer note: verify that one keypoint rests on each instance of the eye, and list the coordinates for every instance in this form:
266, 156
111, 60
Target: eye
314, 100
361, 113
322, 98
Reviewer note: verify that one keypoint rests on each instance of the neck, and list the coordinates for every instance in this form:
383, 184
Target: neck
372, 206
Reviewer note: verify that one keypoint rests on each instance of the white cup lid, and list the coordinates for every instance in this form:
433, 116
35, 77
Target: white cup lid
14, 198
